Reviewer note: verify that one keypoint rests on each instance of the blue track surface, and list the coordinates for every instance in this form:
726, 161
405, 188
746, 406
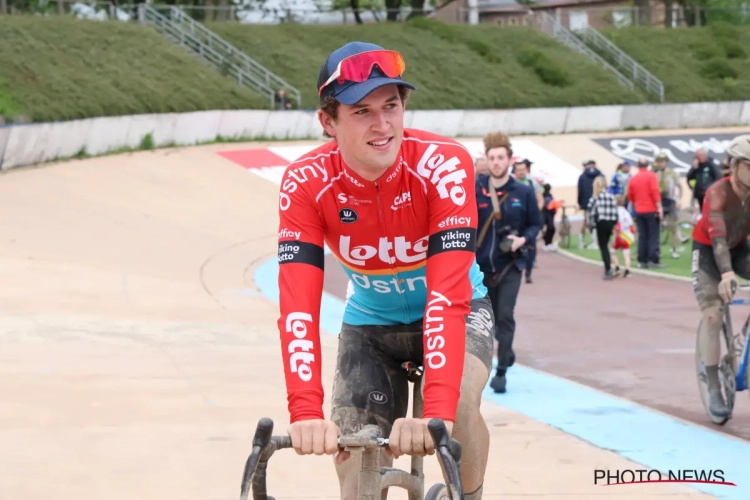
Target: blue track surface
650, 438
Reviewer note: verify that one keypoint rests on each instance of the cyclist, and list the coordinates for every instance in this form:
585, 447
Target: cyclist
397, 208
721, 249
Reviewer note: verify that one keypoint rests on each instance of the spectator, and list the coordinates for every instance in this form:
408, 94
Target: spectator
704, 172
602, 209
548, 217
585, 191
521, 171
643, 193
480, 166
670, 188
281, 100
620, 179
508, 218
624, 231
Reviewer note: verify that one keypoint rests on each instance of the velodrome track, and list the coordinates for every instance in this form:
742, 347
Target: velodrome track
139, 347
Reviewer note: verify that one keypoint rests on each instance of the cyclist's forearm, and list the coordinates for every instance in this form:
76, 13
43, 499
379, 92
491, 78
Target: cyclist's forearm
721, 254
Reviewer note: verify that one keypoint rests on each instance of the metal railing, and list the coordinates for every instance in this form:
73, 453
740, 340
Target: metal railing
551, 26
637, 73
214, 50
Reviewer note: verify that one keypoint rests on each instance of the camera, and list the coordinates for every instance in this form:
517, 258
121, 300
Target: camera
506, 243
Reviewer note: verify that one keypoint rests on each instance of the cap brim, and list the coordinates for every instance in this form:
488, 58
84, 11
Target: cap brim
357, 91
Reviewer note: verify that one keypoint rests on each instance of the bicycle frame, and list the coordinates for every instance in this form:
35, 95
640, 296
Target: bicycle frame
366, 443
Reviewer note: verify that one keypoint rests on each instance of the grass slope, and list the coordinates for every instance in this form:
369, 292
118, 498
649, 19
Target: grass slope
61, 68
695, 64
453, 66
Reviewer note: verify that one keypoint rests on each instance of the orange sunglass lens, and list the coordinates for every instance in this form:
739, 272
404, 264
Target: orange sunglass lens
359, 67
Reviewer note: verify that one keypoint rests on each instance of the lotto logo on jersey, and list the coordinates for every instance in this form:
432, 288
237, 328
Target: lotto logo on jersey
399, 250
398, 285
444, 174
300, 347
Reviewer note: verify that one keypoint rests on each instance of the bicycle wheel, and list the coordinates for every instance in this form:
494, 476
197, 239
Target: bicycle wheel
438, 491
726, 378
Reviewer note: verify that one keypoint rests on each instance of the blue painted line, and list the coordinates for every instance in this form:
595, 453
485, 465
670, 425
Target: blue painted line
647, 437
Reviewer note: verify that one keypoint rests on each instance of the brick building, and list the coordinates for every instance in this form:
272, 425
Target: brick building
571, 13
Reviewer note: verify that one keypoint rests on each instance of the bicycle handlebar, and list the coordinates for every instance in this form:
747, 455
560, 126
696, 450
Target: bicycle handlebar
265, 445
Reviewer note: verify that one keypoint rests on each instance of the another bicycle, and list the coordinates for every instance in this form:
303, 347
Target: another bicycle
373, 479
734, 374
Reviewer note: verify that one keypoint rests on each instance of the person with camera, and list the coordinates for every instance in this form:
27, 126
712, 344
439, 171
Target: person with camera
508, 218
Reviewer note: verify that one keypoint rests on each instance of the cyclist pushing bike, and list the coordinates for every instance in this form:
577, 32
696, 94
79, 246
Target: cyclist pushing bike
397, 208
721, 251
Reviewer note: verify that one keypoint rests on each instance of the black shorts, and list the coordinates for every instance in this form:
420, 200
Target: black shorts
706, 274
371, 387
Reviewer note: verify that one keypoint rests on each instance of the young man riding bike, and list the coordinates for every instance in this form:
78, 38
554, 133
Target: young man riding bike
397, 208
721, 252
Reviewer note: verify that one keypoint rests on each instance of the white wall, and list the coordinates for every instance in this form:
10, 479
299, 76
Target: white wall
22, 145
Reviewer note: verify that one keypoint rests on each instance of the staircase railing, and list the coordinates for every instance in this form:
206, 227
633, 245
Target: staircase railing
208, 46
551, 26
629, 66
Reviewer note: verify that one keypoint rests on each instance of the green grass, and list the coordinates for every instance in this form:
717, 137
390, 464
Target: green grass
676, 267
62, 68
452, 66
696, 64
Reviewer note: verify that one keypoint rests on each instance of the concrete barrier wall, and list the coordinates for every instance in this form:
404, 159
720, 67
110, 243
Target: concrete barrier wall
30, 144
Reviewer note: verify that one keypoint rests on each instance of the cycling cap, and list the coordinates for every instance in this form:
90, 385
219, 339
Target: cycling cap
740, 147
350, 91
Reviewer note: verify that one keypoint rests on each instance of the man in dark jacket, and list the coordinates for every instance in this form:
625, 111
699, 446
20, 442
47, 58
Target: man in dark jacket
704, 172
508, 218
585, 192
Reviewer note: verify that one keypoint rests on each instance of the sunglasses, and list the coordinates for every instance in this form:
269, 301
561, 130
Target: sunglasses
357, 68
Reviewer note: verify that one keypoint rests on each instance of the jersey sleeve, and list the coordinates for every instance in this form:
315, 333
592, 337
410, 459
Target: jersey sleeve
453, 216
300, 257
714, 206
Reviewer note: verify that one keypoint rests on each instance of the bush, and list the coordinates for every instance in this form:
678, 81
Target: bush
734, 50
547, 70
455, 35
718, 69
705, 51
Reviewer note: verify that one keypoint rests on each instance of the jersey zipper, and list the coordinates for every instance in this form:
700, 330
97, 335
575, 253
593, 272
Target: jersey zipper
384, 234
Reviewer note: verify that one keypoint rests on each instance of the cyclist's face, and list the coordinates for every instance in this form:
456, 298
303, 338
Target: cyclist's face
498, 161
369, 133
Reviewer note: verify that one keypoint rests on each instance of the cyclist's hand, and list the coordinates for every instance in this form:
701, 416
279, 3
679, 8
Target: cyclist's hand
410, 436
728, 281
314, 437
